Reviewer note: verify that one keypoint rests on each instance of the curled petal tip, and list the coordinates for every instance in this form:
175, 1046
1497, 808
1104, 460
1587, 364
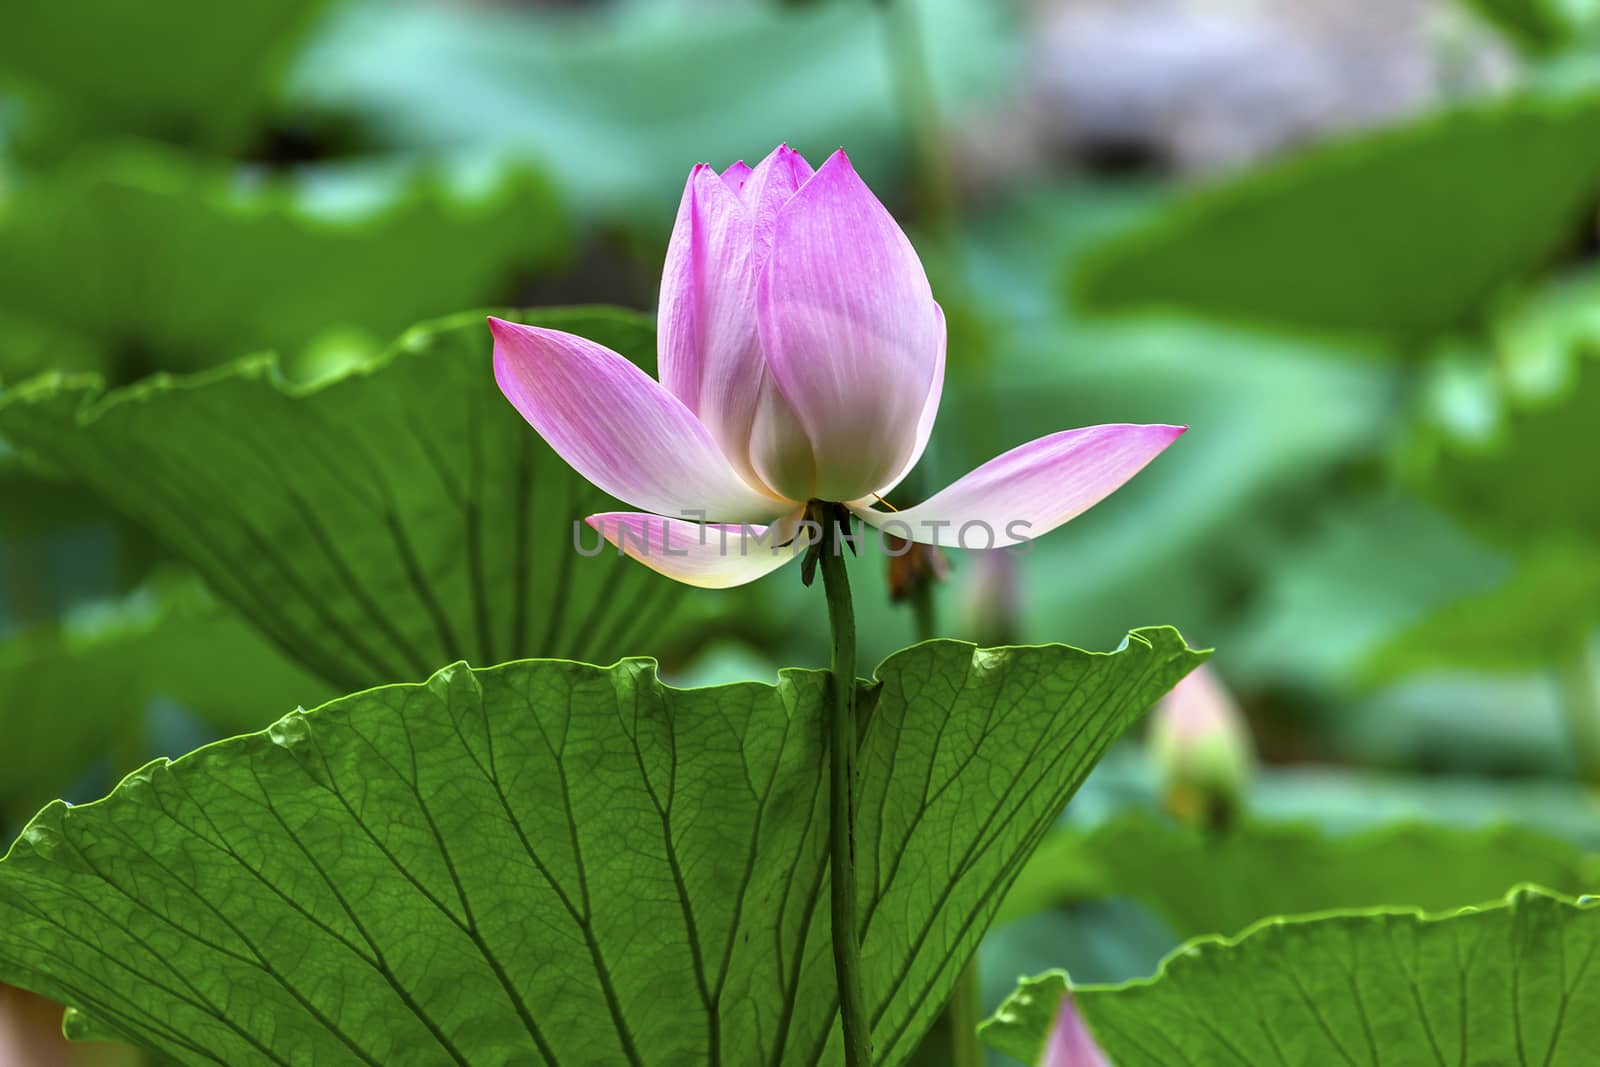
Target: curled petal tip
736, 175
1164, 432
506, 333
789, 163
839, 167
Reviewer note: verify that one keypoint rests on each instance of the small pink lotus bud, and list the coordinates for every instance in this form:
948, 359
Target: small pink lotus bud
994, 598
1071, 1043
1202, 746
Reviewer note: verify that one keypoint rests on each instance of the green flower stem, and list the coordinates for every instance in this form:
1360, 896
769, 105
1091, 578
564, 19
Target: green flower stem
27, 564
841, 796
966, 1012
919, 106
925, 612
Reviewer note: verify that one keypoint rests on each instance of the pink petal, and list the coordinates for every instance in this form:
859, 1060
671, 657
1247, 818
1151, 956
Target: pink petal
710, 556
619, 428
709, 350
1030, 490
930, 412
1198, 707
850, 330
1071, 1043
708, 353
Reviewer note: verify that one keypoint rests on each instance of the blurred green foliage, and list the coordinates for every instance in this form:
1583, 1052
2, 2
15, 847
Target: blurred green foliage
1545, 611
620, 100
1204, 882
80, 690
186, 71
1540, 26
1400, 236
139, 260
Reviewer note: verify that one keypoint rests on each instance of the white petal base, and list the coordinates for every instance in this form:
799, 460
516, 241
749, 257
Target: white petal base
710, 555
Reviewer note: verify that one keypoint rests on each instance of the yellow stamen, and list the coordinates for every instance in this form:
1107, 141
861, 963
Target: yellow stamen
884, 502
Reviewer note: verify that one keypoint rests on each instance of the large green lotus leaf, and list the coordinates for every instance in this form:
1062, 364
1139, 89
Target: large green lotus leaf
1220, 883
146, 261
614, 98
553, 862
78, 690
1401, 234
189, 71
375, 526
1510, 983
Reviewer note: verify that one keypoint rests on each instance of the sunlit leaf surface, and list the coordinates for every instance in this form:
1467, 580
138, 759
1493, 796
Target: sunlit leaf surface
1511, 983
553, 862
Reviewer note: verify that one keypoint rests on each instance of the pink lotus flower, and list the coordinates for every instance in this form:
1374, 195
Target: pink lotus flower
801, 358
